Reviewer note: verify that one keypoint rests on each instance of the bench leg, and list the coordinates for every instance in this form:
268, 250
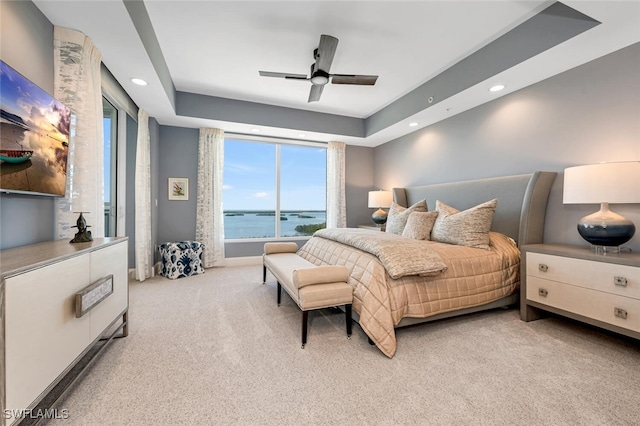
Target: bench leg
264, 274
279, 292
305, 319
347, 313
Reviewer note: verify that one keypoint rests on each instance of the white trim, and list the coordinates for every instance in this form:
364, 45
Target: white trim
277, 216
243, 261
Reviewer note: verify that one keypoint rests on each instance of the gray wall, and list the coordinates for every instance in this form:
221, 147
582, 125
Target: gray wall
26, 44
179, 158
359, 181
585, 115
178, 149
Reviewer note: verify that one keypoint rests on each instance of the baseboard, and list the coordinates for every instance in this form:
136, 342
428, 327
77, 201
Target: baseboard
229, 261
157, 268
243, 261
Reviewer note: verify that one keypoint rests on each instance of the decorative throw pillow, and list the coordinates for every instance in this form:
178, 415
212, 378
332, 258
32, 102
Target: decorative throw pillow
466, 228
419, 225
398, 215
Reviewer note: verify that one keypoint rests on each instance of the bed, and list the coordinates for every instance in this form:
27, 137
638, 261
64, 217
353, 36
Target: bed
399, 281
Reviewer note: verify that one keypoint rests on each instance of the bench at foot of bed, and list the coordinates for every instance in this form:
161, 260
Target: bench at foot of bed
310, 286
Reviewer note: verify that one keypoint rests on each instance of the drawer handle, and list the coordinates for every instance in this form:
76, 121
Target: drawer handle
620, 281
542, 267
620, 313
542, 292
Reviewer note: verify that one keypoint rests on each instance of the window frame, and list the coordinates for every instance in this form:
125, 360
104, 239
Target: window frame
278, 142
121, 163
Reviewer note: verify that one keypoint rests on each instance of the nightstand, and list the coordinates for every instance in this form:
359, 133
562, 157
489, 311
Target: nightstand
373, 227
601, 290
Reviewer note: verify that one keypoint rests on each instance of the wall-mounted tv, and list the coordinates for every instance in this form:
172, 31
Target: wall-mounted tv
34, 142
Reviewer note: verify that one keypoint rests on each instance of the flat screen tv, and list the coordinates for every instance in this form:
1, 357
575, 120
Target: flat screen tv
34, 137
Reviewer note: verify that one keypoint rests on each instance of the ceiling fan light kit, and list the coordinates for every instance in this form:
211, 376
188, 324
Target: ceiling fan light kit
320, 70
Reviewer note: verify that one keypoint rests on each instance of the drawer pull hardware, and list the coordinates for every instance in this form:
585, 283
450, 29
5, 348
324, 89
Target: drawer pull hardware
621, 281
542, 267
620, 313
542, 292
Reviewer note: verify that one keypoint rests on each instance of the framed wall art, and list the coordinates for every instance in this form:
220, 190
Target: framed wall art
179, 189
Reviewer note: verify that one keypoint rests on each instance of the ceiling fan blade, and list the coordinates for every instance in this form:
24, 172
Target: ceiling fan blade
283, 75
316, 91
326, 52
362, 80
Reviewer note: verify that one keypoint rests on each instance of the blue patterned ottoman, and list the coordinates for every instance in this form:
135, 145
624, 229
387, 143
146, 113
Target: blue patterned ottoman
181, 259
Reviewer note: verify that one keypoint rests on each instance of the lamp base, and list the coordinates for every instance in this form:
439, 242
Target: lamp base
605, 228
379, 217
604, 250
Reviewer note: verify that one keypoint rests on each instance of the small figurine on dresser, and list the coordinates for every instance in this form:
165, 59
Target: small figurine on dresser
83, 235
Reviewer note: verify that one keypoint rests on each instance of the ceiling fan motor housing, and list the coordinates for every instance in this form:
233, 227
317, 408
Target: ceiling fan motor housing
320, 77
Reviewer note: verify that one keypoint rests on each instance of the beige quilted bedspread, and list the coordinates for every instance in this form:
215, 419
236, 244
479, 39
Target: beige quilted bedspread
473, 277
412, 257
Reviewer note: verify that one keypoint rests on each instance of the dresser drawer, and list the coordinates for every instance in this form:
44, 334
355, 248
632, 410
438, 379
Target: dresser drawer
622, 280
605, 307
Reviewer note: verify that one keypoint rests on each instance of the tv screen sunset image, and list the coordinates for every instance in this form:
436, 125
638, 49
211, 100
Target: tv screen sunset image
34, 129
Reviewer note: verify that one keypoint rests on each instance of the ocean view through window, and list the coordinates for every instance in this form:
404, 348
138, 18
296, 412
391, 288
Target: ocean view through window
273, 190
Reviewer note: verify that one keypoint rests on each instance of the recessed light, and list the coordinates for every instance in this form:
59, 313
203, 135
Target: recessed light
139, 81
255, 130
497, 88
414, 124
302, 135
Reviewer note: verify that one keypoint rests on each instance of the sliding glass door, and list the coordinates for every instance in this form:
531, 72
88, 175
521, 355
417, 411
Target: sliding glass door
110, 124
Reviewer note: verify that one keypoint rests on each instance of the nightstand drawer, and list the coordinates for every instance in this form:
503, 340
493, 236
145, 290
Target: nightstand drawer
605, 307
607, 277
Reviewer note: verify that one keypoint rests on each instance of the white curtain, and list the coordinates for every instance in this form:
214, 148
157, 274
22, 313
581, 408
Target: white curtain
77, 85
143, 243
336, 199
209, 217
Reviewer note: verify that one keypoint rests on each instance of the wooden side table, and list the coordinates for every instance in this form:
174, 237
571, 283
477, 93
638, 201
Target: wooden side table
601, 290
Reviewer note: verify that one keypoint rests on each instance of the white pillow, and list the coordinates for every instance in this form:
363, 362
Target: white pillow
398, 215
419, 225
466, 228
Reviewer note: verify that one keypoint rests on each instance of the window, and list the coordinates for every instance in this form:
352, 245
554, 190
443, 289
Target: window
273, 190
110, 129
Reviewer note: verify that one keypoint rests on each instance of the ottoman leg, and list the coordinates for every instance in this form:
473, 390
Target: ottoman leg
305, 319
279, 292
347, 313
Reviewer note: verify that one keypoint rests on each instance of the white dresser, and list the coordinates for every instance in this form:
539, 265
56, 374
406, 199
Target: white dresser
602, 290
44, 331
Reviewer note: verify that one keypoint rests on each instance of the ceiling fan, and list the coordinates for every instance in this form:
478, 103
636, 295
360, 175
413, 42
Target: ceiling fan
320, 70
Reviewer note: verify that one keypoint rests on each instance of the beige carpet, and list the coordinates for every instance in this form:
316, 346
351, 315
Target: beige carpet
215, 349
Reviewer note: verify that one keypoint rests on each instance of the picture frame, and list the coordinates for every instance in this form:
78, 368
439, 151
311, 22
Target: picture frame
178, 189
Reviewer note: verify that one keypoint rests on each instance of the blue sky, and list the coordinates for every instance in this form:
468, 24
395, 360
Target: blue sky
250, 176
37, 108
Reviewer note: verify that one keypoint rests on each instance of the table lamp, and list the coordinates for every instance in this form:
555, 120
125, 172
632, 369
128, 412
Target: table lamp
379, 200
604, 184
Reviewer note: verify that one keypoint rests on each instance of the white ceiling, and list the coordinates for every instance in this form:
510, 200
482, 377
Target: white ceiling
217, 47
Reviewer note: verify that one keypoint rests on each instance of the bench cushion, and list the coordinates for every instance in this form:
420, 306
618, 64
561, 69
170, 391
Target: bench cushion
320, 275
325, 295
271, 248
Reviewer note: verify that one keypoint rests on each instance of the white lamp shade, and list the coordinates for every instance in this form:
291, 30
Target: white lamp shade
602, 183
380, 199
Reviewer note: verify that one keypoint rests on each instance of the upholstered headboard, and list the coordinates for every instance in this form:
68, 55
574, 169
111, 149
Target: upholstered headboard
522, 201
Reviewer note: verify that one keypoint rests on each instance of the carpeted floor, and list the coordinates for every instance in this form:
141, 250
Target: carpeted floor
215, 349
